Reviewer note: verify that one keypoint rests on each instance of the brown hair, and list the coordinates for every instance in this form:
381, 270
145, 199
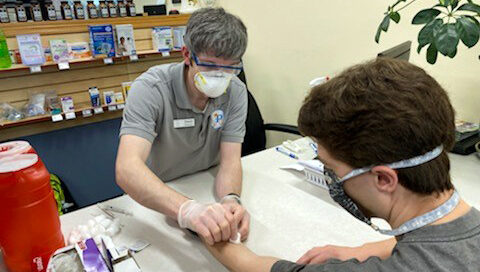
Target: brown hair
380, 112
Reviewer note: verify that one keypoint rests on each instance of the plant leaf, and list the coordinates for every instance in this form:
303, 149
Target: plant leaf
385, 23
377, 36
427, 33
425, 16
468, 31
432, 54
470, 7
395, 16
444, 3
454, 4
452, 54
446, 39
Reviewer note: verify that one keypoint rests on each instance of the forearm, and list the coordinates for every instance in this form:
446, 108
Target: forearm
239, 258
141, 184
229, 178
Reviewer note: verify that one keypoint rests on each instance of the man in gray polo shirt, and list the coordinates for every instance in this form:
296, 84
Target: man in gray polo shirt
186, 117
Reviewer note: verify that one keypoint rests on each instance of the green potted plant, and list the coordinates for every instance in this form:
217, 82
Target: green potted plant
445, 25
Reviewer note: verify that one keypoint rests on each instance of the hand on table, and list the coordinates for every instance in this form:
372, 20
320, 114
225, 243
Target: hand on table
319, 255
240, 215
213, 222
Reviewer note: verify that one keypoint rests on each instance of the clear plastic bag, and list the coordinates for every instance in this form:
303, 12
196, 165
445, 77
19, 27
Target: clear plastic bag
35, 105
9, 113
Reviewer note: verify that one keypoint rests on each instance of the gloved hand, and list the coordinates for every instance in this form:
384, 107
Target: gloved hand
211, 221
240, 216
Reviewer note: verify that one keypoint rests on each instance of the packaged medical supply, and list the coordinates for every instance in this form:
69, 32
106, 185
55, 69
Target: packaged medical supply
67, 104
94, 97
109, 98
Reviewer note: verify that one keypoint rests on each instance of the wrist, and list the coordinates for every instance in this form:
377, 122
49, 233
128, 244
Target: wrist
183, 211
231, 197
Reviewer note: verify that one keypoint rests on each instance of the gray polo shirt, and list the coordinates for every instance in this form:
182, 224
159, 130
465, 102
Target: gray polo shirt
453, 246
184, 139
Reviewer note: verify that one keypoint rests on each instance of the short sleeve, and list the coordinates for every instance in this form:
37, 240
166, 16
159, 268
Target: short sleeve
234, 129
143, 108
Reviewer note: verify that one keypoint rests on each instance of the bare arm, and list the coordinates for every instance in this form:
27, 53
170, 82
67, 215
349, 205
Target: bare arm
229, 177
318, 255
239, 258
138, 181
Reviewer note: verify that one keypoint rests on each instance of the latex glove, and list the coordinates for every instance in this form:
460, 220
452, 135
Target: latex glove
240, 215
211, 221
319, 255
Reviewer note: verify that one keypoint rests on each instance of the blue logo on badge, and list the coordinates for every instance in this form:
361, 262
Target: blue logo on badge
217, 119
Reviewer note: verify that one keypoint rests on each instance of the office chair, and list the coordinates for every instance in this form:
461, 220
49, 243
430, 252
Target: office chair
255, 137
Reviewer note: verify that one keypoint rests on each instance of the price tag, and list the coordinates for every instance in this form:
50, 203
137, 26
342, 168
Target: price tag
120, 106
112, 108
133, 57
70, 115
87, 113
108, 61
98, 110
35, 69
63, 66
165, 54
57, 117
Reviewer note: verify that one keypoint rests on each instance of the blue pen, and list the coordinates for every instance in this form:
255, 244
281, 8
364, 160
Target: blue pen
283, 151
314, 147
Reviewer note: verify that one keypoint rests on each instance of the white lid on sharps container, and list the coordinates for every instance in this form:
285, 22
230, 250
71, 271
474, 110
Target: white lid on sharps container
12, 158
13, 148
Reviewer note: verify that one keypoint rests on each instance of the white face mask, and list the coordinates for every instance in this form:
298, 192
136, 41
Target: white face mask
212, 83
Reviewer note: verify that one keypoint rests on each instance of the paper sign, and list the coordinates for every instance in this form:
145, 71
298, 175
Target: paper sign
108, 61
35, 69
133, 57
57, 117
112, 108
165, 54
98, 110
70, 115
120, 106
63, 66
87, 113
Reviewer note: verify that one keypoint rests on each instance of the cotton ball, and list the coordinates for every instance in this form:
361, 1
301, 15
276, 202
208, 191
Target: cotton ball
106, 222
100, 218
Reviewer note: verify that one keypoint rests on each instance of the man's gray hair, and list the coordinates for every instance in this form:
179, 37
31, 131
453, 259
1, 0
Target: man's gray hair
215, 32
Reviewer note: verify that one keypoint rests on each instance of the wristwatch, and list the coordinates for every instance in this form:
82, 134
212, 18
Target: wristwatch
232, 196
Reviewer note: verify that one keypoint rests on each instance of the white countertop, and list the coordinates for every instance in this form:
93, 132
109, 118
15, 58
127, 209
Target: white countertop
289, 215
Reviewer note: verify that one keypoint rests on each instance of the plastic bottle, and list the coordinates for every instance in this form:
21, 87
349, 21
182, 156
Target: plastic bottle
5, 61
3, 13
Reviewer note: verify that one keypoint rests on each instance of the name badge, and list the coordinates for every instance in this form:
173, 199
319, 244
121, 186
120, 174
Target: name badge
184, 123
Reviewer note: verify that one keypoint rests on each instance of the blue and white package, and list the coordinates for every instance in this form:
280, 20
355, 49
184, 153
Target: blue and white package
102, 40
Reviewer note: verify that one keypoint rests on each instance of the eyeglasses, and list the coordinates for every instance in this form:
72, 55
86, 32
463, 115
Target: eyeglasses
235, 69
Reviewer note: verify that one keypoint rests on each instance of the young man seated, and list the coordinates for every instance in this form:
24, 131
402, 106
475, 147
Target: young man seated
383, 130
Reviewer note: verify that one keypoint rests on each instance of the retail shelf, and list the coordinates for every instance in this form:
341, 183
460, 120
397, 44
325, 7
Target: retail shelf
141, 54
48, 117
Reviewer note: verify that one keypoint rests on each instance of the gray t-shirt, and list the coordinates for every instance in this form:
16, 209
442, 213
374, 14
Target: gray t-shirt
184, 139
453, 246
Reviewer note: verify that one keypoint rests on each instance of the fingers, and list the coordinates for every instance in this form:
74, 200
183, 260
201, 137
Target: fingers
310, 255
205, 234
245, 226
305, 259
224, 220
317, 255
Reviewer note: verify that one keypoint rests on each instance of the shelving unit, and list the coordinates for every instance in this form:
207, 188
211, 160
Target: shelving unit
141, 54
17, 82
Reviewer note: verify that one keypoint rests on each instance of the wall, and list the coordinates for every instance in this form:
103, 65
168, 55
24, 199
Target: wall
291, 42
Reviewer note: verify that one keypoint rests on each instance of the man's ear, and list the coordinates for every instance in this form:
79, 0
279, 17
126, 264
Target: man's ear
387, 178
186, 55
